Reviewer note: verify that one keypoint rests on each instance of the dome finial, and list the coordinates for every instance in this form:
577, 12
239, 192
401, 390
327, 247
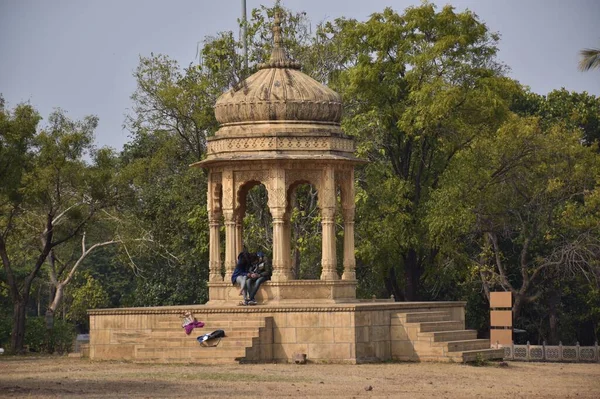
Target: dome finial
279, 58
277, 40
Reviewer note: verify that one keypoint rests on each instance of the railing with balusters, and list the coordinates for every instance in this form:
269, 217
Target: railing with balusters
551, 353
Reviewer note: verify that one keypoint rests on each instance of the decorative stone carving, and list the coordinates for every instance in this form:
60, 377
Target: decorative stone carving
302, 175
228, 145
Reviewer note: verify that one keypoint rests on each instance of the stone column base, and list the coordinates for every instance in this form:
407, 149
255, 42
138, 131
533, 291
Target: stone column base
287, 292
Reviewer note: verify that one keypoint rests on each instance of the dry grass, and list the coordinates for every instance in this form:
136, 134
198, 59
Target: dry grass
50, 377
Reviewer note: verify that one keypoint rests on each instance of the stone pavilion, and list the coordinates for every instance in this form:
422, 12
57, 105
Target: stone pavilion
280, 128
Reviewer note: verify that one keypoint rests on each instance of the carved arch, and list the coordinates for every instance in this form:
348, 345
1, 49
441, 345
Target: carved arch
243, 182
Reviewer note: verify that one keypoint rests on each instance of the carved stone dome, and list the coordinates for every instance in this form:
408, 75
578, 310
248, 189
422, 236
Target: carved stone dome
279, 115
279, 92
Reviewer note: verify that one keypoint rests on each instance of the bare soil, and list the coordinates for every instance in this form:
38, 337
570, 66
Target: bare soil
53, 376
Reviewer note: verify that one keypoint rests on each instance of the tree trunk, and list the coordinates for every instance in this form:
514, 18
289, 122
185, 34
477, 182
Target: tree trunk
517, 305
39, 302
412, 272
58, 294
553, 303
391, 285
18, 331
296, 262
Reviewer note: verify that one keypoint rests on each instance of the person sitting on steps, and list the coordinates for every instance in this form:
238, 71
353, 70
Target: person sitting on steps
258, 274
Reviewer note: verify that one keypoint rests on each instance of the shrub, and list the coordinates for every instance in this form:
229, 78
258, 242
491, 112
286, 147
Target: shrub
5, 330
39, 339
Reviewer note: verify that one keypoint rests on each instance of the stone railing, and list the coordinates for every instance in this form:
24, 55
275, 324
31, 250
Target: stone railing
551, 353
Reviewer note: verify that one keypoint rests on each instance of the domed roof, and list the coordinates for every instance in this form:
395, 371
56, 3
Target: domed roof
279, 92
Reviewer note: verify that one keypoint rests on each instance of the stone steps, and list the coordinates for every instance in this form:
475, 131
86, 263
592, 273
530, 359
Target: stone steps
427, 316
191, 341
220, 323
467, 345
168, 343
185, 360
434, 326
444, 336
436, 337
230, 332
474, 355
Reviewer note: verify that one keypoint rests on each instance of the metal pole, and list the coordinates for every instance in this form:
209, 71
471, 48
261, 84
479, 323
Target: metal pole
245, 36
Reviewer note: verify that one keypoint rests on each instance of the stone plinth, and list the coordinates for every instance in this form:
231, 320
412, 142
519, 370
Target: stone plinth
338, 333
307, 292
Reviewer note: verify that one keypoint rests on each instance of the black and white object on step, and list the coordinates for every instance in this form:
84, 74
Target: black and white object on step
209, 339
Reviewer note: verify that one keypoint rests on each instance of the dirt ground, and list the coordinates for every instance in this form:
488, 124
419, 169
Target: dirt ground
53, 376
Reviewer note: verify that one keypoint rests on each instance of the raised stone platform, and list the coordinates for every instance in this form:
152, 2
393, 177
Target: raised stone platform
340, 333
287, 292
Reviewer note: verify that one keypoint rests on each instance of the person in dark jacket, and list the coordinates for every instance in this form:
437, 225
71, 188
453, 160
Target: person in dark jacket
241, 273
259, 273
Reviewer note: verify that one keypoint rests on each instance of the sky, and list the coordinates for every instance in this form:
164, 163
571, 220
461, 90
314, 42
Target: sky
80, 55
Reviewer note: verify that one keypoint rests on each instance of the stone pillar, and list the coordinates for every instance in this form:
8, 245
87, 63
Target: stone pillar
349, 260
328, 257
214, 244
327, 199
280, 269
277, 205
287, 250
348, 209
228, 213
239, 228
230, 243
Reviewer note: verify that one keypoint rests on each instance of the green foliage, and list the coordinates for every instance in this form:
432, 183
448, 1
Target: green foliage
53, 194
305, 221
5, 329
480, 361
419, 87
90, 295
574, 110
59, 339
590, 59
167, 200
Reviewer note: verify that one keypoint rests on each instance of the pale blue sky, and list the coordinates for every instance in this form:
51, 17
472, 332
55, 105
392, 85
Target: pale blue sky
79, 55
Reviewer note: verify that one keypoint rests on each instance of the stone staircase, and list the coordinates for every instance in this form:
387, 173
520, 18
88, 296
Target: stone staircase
244, 341
436, 336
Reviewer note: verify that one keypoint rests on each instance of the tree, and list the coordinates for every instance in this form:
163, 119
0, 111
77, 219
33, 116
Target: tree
89, 295
590, 59
523, 203
576, 110
107, 229
51, 194
418, 88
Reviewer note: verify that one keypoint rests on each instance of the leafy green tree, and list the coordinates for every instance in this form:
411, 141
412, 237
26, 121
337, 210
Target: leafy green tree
418, 88
576, 110
51, 194
108, 229
90, 295
523, 203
